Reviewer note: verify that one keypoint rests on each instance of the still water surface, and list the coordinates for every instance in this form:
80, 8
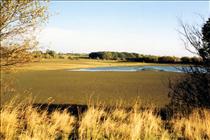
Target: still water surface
179, 69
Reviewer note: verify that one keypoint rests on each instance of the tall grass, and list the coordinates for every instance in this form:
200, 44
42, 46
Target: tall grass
194, 127
24, 122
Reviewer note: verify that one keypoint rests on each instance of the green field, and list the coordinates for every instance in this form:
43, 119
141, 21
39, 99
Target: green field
79, 87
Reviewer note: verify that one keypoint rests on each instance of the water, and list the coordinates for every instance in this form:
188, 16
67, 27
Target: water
178, 69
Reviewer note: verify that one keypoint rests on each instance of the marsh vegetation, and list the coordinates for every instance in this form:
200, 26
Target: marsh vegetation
23, 121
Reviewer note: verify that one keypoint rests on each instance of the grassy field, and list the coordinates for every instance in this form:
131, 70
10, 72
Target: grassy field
50, 78
58, 64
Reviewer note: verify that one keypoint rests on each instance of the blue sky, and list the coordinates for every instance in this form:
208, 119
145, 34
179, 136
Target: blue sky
142, 27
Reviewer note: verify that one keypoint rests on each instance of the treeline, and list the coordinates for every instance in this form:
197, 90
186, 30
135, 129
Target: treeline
112, 55
134, 57
50, 54
120, 56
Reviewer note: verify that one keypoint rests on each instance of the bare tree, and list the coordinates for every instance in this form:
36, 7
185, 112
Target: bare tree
193, 91
19, 20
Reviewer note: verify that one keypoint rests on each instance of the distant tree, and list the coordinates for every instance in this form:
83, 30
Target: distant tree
185, 60
107, 55
51, 53
18, 21
121, 56
196, 60
166, 59
113, 55
193, 91
150, 59
93, 55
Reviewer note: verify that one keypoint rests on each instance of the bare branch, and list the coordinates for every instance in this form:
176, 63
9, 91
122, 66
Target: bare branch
18, 21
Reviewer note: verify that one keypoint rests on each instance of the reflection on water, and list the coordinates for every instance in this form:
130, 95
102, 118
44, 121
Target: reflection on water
138, 68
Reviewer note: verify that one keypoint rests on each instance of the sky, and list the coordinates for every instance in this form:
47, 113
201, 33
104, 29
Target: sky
137, 26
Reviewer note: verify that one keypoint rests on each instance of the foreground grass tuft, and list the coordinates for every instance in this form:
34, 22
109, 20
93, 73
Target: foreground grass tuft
25, 122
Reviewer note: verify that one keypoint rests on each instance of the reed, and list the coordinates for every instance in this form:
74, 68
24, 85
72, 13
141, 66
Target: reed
22, 121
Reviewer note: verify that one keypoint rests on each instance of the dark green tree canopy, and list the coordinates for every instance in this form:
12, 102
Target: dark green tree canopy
206, 31
205, 51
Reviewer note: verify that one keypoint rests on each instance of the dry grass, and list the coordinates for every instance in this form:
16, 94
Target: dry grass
24, 122
195, 127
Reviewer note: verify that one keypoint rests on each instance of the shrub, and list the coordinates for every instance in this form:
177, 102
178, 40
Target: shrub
166, 59
185, 60
196, 60
51, 53
150, 59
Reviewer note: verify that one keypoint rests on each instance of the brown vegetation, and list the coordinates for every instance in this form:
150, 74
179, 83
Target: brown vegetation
22, 121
